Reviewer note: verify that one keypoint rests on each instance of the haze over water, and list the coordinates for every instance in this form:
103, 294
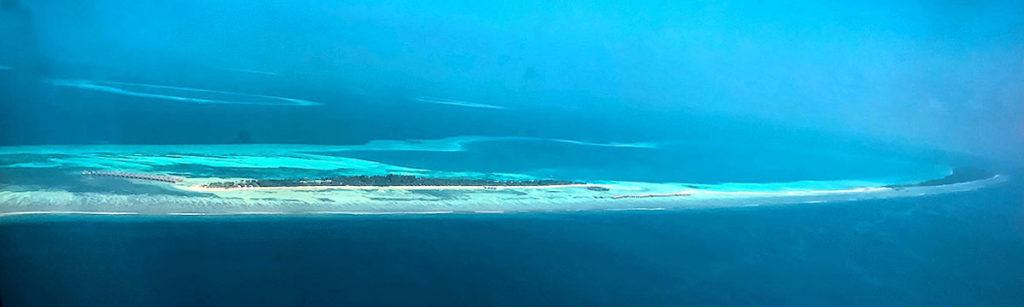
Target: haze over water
783, 96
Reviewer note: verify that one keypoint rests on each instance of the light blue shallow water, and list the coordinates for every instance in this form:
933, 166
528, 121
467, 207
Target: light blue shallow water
705, 161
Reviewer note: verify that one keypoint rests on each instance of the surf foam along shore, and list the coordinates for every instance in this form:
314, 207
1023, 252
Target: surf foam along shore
181, 94
66, 190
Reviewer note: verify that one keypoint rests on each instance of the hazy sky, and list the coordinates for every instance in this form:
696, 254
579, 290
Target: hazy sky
948, 74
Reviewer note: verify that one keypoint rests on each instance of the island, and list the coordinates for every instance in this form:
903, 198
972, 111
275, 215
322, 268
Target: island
314, 180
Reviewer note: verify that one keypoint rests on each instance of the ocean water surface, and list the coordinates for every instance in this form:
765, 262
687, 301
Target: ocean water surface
650, 153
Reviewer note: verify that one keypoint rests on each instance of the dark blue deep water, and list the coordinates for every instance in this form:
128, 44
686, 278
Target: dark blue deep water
957, 249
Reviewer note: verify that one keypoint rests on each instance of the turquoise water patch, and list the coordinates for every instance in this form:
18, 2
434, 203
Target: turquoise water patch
458, 103
669, 162
471, 156
181, 94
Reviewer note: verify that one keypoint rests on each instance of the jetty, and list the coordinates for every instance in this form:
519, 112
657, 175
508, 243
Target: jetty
127, 175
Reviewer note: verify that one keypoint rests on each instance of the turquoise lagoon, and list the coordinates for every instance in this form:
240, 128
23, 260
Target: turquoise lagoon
638, 175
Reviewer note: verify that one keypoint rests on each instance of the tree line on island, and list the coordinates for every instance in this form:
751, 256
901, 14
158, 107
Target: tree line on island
383, 181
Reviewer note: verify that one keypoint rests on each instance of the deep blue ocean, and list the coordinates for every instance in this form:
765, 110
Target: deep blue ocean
959, 249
